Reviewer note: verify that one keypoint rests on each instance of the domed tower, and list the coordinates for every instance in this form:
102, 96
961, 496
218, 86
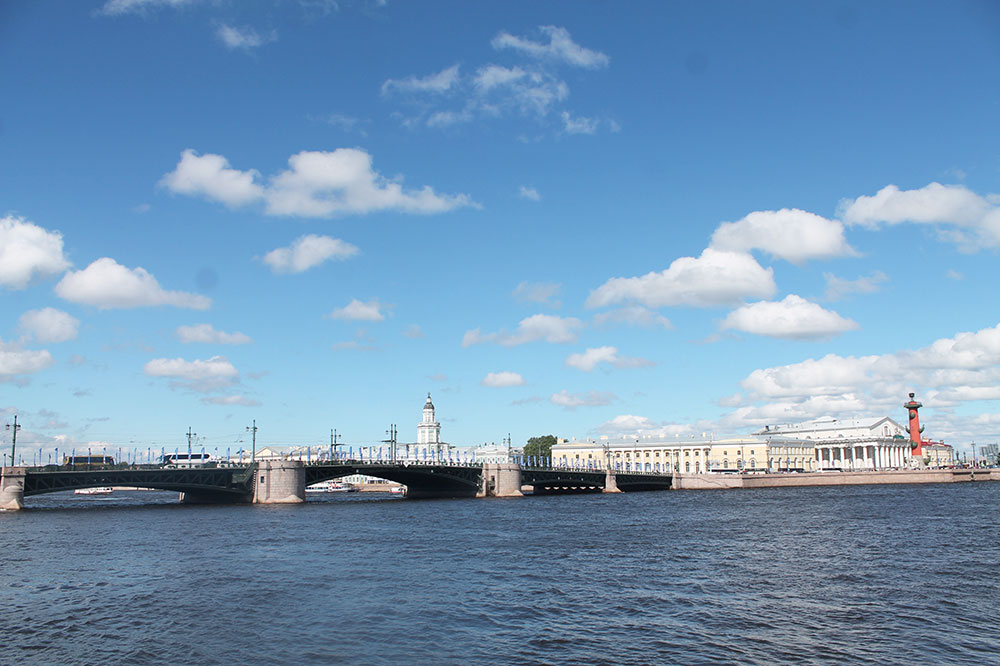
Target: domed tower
429, 430
913, 411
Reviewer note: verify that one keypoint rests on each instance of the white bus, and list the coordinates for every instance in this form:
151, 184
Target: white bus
173, 460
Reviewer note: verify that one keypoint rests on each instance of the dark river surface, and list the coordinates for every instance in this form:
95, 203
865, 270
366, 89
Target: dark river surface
849, 575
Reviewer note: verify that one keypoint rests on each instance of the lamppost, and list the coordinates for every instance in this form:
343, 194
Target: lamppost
13, 442
253, 450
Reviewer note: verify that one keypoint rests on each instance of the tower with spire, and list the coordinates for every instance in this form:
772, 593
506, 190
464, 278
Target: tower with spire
429, 430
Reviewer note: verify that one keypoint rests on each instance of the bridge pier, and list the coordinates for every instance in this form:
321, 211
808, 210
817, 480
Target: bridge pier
502, 480
12, 488
611, 482
279, 482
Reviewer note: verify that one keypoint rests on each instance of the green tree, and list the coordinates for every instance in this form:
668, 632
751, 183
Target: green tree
540, 446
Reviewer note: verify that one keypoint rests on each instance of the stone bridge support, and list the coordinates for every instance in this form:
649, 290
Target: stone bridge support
610, 482
279, 482
502, 480
12, 489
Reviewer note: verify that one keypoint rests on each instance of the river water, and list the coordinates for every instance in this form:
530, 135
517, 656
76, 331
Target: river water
849, 575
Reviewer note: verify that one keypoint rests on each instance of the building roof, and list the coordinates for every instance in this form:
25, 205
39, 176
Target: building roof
827, 424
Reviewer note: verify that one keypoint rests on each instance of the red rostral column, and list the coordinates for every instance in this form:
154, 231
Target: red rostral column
913, 408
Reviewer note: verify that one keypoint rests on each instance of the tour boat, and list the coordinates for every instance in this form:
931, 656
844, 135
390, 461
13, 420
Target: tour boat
331, 487
93, 491
398, 490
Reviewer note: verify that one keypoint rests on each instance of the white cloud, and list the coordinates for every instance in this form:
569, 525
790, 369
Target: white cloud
106, 284
306, 252
210, 176
317, 184
207, 334
715, 278
323, 184
243, 38
114, 7
632, 426
791, 234
231, 400
628, 423
793, 318
935, 203
966, 218
502, 379
344, 122
590, 399
578, 125
16, 361
560, 47
529, 193
538, 292
491, 76
49, 325
838, 288
434, 83
449, 118
589, 359
633, 315
198, 375
359, 311
28, 251
948, 372
414, 332
531, 329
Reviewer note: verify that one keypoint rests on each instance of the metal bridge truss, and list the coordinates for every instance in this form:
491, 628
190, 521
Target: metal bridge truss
419, 479
237, 481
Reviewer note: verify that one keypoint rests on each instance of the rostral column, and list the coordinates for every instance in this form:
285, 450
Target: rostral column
913, 409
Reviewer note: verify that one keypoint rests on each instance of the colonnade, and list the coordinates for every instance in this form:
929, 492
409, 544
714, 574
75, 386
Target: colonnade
863, 456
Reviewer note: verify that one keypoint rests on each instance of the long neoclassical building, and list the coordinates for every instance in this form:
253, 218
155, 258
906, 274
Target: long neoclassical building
826, 444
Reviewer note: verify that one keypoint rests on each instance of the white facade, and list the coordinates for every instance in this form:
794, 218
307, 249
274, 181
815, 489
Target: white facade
429, 430
852, 444
429, 444
492, 453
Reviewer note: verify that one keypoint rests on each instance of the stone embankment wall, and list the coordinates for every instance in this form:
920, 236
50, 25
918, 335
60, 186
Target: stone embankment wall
721, 481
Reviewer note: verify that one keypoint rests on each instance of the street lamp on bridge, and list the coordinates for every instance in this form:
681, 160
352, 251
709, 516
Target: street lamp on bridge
13, 442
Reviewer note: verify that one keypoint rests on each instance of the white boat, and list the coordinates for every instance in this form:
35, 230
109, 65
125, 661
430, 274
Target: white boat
331, 487
93, 491
398, 490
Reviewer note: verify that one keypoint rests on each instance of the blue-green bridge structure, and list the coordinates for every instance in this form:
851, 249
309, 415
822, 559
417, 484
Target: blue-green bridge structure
284, 481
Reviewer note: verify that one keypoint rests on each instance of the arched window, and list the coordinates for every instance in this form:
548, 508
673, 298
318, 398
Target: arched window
687, 467
725, 464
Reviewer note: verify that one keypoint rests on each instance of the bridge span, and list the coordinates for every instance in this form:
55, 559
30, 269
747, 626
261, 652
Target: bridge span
284, 481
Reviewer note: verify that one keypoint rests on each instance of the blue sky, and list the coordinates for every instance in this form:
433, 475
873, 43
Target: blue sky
576, 218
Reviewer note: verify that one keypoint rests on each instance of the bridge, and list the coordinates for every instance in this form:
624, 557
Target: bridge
284, 481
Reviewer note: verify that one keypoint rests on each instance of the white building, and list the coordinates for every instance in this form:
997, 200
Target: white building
494, 453
429, 444
871, 443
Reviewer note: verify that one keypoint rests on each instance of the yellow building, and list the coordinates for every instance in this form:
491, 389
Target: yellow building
647, 454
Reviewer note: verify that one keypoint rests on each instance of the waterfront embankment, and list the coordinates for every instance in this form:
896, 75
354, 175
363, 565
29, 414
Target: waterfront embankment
722, 481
